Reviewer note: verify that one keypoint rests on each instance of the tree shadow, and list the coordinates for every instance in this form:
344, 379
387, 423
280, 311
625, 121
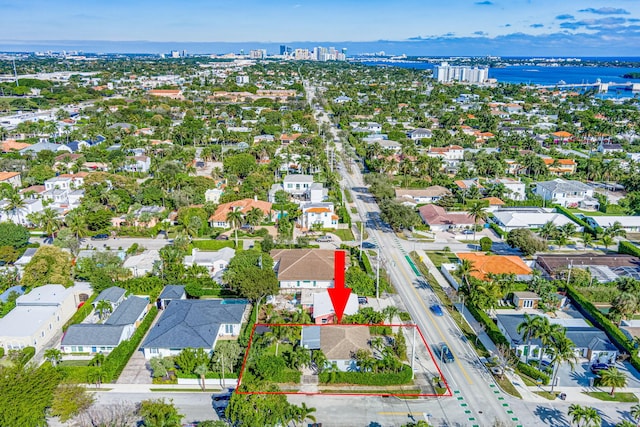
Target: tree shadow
551, 416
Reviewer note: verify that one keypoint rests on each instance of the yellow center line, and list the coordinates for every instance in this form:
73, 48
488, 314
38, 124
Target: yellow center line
464, 371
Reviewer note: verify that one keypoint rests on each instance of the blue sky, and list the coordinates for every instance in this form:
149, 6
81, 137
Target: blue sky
604, 26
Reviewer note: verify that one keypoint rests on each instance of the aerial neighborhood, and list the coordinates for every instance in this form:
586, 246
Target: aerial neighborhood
177, 224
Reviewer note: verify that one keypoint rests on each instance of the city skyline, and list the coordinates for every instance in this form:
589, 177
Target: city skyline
464, 27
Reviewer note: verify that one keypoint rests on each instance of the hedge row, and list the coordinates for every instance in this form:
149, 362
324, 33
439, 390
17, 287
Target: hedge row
287, 376
587, 228
532, 372
367, 378
81, 313
598, 319
498, 230
626, 247
492, 329
115, 361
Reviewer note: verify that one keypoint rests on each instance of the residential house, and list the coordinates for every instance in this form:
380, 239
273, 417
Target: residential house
560, 167
213, 195
170, 293
289, 138
630, 224
104, 337
438, 219
143, 263
319, 215
304, 268
341, 99
466, 184
323, 312
40, 315
420, 133
515, 189
603, 268
529, 217
139, 163
114, 295
297, 185
219, 217
590, 343
193, 324
215, 262
19, 215
11, 178
570, 194
338, 343
605, 148
561, 137
427, 195
34, 149
485, 265
166, 93
450, 154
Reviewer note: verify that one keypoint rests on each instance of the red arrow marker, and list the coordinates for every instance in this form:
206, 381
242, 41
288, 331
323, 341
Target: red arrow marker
339, 294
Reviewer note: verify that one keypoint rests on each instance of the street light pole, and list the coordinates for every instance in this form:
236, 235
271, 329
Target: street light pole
413, 352
378, 274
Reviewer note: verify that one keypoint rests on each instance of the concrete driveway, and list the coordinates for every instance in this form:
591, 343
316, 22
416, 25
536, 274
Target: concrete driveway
581, 375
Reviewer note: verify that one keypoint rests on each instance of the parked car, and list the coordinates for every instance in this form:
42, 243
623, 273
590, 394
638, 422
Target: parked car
437, 309
596, 368
446, 355
325, 238
222, 237
467, 231
247, 228
363, 300
102, 236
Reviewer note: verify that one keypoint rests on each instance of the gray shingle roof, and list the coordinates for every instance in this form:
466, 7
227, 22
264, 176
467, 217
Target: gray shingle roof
172, 292
93, 334
564, 186
192, 323
128, 311
111, 294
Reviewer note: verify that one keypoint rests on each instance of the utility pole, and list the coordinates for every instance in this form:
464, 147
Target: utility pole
569, 275
223, 382
378, 274
361, 232
413, 352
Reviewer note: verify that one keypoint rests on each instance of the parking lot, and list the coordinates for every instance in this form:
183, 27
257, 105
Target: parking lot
582, 375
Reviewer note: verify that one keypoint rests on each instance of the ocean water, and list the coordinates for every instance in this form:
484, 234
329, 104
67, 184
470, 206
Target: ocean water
540, 75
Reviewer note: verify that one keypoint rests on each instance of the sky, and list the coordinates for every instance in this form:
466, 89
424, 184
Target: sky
441, 27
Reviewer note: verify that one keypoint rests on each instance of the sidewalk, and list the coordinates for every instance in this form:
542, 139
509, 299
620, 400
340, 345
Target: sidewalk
149, 388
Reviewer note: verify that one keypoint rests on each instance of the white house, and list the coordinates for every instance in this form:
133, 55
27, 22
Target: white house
213, 195
529, 217
142, 264
630, 224
19, 215
140, 163
516, 190
448, 154
318, 214
427, 195
40, 315
570, 194
214, 262
297, 185
420, 133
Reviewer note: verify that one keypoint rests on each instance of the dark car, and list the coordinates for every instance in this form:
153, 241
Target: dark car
102, 236
596, 368
446, 355
247, 228
222, 237
437, 309
363, 300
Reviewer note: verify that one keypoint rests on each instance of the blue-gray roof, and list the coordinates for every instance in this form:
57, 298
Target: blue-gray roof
172, 292
112, 294
128, 311
93, 334
192, 323
310, 337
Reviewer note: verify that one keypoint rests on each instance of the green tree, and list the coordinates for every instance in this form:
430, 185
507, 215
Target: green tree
561, 350
49, 264
103, 307
159, 413
267, 243
528, 329
202, 370
478, 212
235, 219
53, 355
613, 378
526, 241
13, 235
485, 244
240, 165
70, 400
397, 215
77, 223
465, 268
577, 414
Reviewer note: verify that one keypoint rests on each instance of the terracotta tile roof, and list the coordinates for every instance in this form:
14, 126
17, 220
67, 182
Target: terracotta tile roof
74, 175
562, 134
8, 175
436, 215
304, 264
495, 264
566, 162
164, 92
292, 137
34, 188
13, 145
244, 205
494, 201
318, 210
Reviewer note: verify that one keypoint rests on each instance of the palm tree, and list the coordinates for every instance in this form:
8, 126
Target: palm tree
547, 230
635, 412
464, 271
304, 413
254, 217
390, 312
613, 378
76, 223
577, 414
478, 212
607, 241
201, 370
53, 355
528, 329
562, 350
547, 332
626, 423
591, 417
103, 307
587, 239
15, 204
235, 218
615, 230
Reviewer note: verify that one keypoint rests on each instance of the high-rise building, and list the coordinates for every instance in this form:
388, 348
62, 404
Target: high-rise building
285, 50
258, 53
446, 73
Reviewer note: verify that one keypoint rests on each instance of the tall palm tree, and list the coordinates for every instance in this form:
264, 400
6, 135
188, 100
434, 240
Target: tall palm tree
254, 217
103, 307
577, 414
547, 230
591, 417
390, 312
235, 218
562, 350
14, 206
201, 370
547, 332
479, 213
305, 413
634, 411
613, 378
615, 230
528, 329
465, 268
75, 222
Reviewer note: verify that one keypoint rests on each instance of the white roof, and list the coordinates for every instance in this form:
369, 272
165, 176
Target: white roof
322, 304
607, 221
45, 295
298, 178
206, 257
530, 219
144, 261
25, 321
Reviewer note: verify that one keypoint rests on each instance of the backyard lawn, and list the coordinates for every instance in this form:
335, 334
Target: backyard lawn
441, 257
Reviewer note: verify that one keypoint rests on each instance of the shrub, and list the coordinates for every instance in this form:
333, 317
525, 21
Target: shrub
1, 352
81, 313
626, 247
587, 228
367, 378
532, 372
492, 329
486, 244
498, 230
